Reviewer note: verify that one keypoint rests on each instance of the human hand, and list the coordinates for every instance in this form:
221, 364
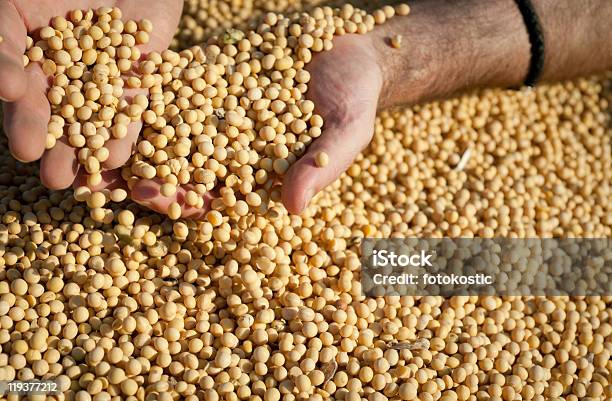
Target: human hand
345, 86
27, 110
364, 73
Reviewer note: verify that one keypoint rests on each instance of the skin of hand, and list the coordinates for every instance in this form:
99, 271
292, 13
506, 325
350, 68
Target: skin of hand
345, 86
27, 111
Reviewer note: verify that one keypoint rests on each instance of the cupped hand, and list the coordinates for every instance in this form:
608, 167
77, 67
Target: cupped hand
26, 108
345, 86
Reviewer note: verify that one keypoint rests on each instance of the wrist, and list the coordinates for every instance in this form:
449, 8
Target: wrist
409, 73
447, 48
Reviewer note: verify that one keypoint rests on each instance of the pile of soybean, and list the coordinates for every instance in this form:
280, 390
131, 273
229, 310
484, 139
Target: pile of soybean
230, 115
203, 19
268, 306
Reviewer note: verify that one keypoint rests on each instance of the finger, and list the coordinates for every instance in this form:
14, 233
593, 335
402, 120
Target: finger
120, 150
148, 193
59, 166
13, 80
25, 121
39, 12
111, 179
164, 15
304, 179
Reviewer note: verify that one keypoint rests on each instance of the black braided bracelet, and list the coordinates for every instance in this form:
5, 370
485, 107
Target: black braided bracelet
536, 38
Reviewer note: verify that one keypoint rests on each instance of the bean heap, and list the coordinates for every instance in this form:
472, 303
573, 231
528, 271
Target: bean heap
229, 116
203, 19
87, 55
268, 306
469, 167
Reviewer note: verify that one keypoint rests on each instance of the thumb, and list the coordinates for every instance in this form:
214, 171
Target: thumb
342, 144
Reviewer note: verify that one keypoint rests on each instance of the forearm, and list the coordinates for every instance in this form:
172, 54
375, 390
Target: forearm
578, 37
451, 46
